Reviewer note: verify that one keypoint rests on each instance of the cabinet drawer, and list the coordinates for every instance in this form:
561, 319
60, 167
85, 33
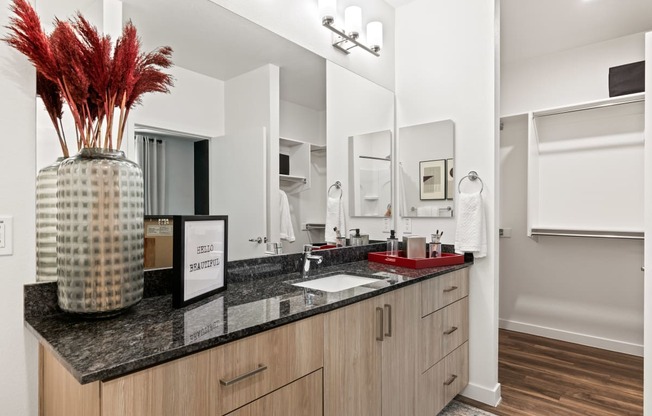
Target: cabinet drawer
444, 290
443, 381
303, 397
252, 367
442, 332
456, 372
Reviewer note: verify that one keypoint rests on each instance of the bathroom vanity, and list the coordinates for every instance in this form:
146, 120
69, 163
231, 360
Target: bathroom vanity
396, 346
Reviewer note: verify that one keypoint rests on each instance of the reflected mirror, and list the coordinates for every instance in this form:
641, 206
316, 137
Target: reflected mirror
426, 169
370, 174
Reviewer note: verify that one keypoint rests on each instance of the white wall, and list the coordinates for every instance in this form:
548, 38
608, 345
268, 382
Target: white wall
647, 375
348, 113
299, 21
195, 105
446, 68
18, 348
302, 123
588, 291
562, 78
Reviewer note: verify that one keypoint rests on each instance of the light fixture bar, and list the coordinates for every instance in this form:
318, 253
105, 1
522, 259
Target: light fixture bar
328, 23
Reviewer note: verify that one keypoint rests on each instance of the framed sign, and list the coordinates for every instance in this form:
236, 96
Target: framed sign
432, 174
199, 259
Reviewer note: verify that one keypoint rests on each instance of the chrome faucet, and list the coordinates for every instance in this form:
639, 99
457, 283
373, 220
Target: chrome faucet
307, 258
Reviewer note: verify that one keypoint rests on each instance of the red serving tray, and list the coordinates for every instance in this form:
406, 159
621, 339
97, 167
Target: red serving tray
446, 259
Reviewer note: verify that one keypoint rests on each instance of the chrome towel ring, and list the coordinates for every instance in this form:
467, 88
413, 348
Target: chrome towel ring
336, 185
472, 176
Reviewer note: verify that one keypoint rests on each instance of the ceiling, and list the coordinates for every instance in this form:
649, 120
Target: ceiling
538, 27
208, 39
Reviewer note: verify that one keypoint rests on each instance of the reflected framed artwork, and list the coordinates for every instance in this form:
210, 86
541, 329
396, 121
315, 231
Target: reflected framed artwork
199, 257
432, 184
450, 179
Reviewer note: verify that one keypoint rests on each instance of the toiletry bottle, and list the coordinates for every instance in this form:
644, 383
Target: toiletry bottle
392, 244
356, 238
339, 240
434, 247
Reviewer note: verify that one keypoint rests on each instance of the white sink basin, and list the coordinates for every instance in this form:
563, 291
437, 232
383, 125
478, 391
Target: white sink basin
336, 283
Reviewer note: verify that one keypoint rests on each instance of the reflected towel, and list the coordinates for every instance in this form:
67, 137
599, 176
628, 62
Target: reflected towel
287, 232
471, 233
334, 218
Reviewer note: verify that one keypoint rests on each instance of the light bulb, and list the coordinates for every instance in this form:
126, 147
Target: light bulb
375, 35
327, 10
353, 21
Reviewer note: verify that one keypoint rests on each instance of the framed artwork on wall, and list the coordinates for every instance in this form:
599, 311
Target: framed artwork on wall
432, 184
450, 179
199, 257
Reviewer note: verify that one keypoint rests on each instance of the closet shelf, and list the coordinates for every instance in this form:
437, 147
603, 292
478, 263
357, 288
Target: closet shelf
562, 232
292, 179
590, 105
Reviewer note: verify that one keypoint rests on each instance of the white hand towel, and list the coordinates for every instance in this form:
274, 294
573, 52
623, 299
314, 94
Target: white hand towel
334, 218
471, 233
287, 231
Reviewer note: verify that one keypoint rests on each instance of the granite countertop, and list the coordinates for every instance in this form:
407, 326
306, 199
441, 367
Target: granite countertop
153, 332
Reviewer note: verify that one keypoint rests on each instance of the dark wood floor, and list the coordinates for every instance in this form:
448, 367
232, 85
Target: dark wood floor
542, 376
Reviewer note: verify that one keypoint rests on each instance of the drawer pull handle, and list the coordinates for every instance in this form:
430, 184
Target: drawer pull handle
380, 328
450, 331
450, 380
260, 369
450, 289
388, 308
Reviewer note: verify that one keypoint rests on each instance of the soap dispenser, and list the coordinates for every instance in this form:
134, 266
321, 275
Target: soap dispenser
358, 239
392, 244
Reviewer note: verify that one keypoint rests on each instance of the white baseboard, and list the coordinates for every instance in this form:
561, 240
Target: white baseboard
483, 394
574, 337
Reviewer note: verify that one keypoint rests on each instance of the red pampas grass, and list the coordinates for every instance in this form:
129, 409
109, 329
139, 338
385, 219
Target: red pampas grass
78, 65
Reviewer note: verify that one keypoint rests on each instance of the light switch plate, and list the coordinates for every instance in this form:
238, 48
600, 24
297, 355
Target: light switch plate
6, 236
407, 225
387, 224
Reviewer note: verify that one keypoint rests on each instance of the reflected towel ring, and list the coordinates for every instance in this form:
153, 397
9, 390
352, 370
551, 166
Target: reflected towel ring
337, 185
472, 176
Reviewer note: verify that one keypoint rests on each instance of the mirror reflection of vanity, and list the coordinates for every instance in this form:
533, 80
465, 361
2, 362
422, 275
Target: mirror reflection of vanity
250, 97
426, 170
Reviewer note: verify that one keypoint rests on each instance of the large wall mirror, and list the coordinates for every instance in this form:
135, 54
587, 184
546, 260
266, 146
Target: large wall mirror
426, 169
245, 122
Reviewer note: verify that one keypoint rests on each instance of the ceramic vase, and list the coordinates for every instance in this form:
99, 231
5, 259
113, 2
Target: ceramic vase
46, 222
99, 233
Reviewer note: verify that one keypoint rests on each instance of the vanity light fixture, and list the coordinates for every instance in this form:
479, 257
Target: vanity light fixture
348, 38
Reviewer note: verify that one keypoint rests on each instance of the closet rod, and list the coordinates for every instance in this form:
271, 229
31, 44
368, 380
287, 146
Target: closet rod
387, 159
626, 235
591, 107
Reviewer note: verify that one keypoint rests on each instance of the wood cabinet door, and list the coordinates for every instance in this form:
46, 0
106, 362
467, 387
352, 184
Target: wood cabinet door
400, 350
178, 388
301, 398
352, 359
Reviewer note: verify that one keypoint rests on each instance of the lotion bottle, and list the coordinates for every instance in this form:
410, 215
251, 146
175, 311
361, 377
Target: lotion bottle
392, 244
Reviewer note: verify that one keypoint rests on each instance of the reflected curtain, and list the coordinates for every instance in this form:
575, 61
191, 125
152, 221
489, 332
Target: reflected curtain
150, 153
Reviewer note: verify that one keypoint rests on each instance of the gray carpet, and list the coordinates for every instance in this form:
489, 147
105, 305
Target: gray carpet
456, 408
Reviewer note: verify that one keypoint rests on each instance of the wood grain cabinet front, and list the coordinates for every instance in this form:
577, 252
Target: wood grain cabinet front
301, 398
443, 331
209, 383
252, 367
442, 382
444, 290
369, 360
